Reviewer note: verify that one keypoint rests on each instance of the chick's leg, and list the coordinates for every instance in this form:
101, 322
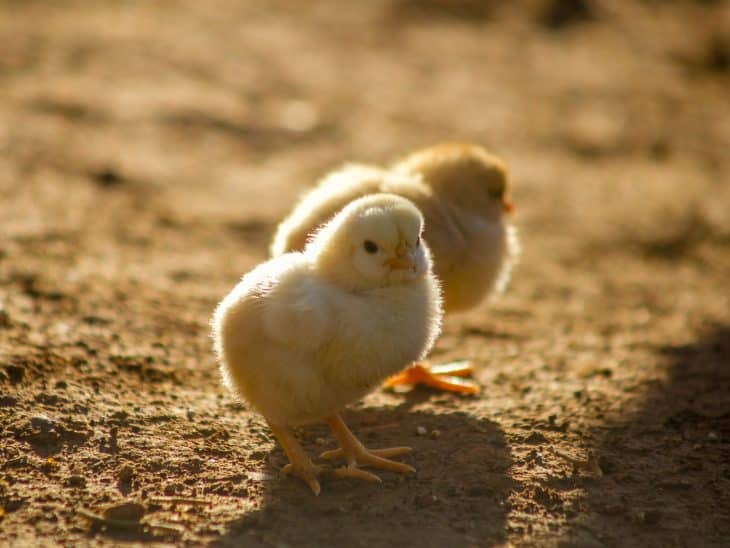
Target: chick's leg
447, 377
356, 454
299, 463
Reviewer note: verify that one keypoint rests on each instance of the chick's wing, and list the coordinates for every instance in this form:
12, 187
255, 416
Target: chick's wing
296, 312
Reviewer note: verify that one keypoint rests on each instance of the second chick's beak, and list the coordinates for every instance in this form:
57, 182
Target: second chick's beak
507, 205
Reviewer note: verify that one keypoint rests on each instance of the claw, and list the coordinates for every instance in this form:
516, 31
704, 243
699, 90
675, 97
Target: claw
308, 475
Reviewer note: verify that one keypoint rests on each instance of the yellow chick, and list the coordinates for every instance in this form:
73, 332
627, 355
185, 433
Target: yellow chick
306, 333
463, 193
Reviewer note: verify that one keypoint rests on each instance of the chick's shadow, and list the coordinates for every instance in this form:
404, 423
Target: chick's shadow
458, 495
666, 474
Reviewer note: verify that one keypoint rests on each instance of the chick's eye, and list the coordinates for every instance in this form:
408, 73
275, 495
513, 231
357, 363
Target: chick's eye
370, 247
418, 241
496, 192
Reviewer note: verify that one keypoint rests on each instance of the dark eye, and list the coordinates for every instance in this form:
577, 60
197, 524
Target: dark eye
370, 247
496, 192
418, 241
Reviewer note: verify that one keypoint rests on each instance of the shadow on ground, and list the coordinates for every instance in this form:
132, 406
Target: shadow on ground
667, 470
460, 488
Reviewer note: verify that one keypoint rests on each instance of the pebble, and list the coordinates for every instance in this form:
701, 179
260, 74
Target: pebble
126, 473
76, 481
535, 438
4, 318
8, 401
421, 430
127, 511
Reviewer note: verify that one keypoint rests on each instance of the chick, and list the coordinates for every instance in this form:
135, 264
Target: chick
463, 193
306, 333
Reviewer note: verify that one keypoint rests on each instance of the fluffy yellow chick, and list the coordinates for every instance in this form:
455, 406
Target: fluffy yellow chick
306, 333
463, 193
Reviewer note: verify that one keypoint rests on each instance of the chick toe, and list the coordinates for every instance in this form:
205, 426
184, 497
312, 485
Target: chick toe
299, 463
355, 453
385, 452
446, 377
353, 472
462, 368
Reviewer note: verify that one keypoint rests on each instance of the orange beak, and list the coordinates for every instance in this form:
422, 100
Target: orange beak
507, 205
400, 263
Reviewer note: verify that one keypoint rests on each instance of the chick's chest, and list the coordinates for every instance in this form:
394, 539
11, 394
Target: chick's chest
378, 333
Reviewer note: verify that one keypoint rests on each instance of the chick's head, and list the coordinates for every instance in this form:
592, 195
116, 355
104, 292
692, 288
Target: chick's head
465, 175
374, 241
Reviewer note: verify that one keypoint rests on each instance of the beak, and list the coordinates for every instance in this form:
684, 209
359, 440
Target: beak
400, 263
507, 205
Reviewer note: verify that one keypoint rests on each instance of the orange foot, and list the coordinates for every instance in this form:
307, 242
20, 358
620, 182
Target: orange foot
447, 377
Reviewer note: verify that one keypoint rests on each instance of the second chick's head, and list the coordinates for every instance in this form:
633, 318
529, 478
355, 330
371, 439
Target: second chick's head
374, 241
464, 174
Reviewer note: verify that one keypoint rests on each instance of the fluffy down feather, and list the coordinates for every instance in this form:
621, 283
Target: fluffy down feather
462, 191
306, 333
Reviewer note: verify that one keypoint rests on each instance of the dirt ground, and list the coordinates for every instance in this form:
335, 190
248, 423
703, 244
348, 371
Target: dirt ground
147, 151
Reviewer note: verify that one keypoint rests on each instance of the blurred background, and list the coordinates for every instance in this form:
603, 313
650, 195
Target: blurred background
148, 149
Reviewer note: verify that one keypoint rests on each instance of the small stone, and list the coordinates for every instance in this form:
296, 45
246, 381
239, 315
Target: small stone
4, 318
43, 422
126, 511
172, 489
435, 434
535, 438
107, 177
13, 505
712, 436
126, 473
15, 373
8, 401
421, 430
76, 481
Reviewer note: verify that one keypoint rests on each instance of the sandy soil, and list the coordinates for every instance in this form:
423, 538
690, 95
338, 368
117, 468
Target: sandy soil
147, 151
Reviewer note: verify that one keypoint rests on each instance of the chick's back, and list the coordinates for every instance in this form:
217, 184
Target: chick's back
334, 192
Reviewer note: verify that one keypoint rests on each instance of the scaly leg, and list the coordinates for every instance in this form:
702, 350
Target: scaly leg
445, 377
356, 454
299, 463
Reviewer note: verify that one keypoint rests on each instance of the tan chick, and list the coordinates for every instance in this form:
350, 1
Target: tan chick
306, 333
463, 193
